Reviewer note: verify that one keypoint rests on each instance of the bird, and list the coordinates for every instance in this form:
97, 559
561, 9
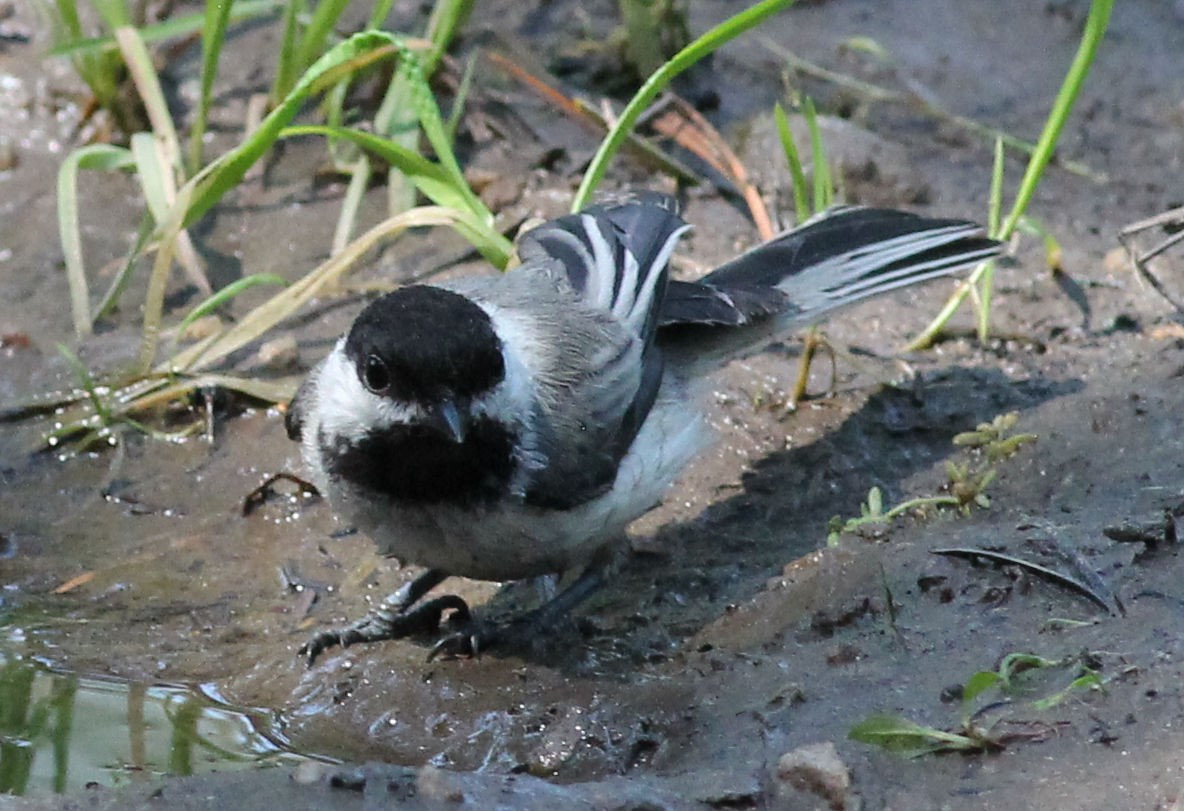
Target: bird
506, 427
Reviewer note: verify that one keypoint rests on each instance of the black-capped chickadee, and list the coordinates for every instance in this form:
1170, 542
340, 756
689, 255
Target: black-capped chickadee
512, 426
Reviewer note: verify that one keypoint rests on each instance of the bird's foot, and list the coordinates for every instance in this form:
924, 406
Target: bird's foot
386, 623
470, 635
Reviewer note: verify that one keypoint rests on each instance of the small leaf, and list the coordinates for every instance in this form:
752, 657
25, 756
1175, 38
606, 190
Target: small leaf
905, 737
867, 45
972, 439
226, 294
875, 502
1015, 663
1089, 680
979, 683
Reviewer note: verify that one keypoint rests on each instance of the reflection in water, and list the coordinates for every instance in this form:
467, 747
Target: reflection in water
60, 732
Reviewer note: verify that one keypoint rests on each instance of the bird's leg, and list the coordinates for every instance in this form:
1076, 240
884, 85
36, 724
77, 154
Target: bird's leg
474, 636
395, 617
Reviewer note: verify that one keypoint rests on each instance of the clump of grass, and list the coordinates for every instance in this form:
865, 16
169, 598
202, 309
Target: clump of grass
977, 730
174, 206
987, 445
179, 192
980, 283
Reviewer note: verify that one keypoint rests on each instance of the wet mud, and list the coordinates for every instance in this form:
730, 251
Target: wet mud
735, 635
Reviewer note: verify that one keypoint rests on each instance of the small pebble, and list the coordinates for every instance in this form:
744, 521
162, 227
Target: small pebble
817, 769
278, 355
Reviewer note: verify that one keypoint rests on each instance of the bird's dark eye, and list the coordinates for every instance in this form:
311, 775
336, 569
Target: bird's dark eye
375, 374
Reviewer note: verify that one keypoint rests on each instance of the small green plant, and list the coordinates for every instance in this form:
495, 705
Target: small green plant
806, 206
823, 197
981, 280
975, 730
987, 445
659, 80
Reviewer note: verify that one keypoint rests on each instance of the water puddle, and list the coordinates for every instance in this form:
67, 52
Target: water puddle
63, 732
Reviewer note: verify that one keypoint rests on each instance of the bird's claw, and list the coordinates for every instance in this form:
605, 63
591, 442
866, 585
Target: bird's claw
381, 624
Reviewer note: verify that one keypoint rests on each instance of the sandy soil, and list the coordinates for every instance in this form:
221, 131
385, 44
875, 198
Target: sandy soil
735, 635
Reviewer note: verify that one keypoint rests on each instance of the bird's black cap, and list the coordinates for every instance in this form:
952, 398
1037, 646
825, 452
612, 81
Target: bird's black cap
424, 343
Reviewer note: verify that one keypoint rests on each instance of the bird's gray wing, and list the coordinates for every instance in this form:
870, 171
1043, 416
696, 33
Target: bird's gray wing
614, 256
584, 440
613, 259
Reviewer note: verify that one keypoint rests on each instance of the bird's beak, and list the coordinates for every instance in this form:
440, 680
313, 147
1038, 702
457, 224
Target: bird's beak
447, 419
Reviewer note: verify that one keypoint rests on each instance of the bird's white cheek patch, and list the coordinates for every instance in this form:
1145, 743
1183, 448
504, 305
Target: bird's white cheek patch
516, 392
348, 410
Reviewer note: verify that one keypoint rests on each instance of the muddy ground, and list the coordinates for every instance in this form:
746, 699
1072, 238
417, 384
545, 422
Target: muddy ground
734, 635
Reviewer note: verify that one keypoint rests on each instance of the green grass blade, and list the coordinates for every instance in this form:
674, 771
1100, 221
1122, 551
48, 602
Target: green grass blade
143, 72
316, 33
224, 174
119, 283
462, 96
157, 182
908, 738
379, 13
1052, 247
986, 283
428, 113
995, 199
430, 177
402, 106
86, 382
1091, 38
436, 183
1015, 663
286, 68
169, 231
172, 28
824, 190
1090, 680
978, 684
396, 119
101, 72
360, 173
213, 35
66, 21
659, 80
446, 19
228, 293
115, 13
283, 304
96, 156
801, 203
149, 172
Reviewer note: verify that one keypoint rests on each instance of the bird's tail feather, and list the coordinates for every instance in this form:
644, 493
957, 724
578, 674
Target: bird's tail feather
833, 260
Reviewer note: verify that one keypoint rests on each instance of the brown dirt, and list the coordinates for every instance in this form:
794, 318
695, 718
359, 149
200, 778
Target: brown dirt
734, 635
